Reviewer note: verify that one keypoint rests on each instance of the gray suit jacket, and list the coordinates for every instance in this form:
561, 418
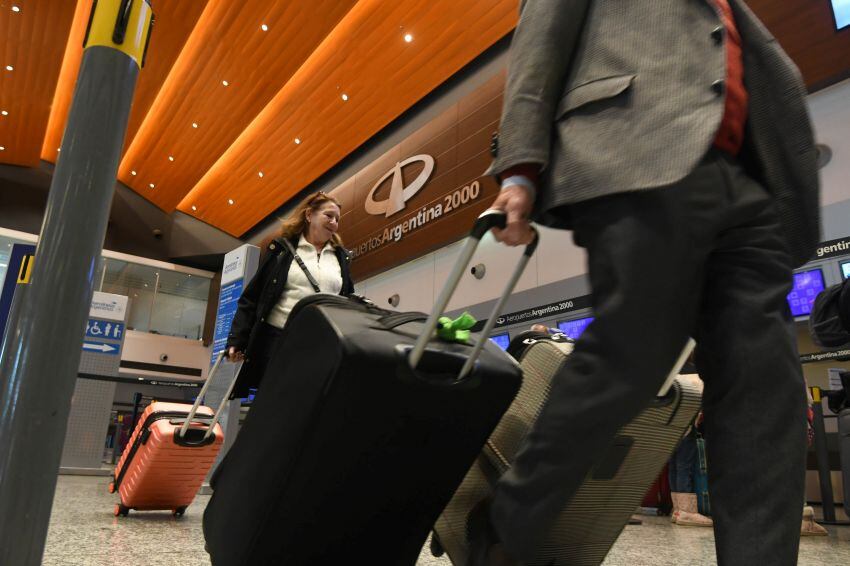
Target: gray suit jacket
610, 96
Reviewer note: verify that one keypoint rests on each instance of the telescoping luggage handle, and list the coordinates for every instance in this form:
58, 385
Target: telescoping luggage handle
488, 220
221, 405
677, 367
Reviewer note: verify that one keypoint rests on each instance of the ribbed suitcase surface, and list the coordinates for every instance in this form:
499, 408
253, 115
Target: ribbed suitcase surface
161, 474
594, 518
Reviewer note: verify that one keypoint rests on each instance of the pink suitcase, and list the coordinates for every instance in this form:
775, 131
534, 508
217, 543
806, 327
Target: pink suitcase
169, 454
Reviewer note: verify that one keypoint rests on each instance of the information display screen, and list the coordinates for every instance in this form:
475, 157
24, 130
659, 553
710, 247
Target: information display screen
807, 286
501, 340
845, 270
841, 10
574, 328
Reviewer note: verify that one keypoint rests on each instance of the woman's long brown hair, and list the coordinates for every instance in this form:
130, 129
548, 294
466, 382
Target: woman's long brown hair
296, 223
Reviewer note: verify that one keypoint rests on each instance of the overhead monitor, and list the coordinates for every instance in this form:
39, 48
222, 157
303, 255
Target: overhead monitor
501, 340
845, 270
574, 328
841, 12
807, 286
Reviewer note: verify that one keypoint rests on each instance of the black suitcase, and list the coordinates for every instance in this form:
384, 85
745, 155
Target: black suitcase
349, 454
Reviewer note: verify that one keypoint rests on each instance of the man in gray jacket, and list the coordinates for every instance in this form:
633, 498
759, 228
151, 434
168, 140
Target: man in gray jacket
672, 137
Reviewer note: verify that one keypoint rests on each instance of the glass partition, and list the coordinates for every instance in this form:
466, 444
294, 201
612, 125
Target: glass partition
161, 301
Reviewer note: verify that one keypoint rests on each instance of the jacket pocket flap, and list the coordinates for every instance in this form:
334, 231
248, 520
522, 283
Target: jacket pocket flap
593, 91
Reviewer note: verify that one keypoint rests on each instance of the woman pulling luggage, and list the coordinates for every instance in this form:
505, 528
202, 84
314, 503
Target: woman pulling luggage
306, 257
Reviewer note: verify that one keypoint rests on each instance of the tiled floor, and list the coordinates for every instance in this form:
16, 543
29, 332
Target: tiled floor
83, 532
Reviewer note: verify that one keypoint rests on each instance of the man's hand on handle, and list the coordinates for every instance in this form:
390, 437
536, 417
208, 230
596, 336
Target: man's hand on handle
517, 202
235, 355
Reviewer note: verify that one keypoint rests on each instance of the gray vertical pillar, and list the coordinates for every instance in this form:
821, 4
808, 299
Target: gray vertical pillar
38, 358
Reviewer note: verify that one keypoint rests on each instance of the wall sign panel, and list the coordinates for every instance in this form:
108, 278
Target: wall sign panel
426, 191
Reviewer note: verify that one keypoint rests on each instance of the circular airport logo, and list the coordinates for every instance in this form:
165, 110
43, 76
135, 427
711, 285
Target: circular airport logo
399, 193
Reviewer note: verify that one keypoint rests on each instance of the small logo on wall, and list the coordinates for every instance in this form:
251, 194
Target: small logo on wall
399, 194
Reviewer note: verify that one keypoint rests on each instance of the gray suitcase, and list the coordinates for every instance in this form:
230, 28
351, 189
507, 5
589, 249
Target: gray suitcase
591, 522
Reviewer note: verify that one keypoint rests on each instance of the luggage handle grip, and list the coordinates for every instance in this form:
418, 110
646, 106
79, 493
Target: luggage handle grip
488, 220
428, 375
203, 392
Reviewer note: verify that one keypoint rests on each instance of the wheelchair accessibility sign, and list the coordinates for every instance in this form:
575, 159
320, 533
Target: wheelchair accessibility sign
104, 329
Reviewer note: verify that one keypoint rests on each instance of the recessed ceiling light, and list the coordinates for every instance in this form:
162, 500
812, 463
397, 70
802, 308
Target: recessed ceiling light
151, 185
2, 148
344, 96
171, 158
194, 124
4, 113
58, 149
230, 201
16, 9
225, 83
194, 207
297, 141
133, 173
264, 27
10, 68
260, 174
408, 38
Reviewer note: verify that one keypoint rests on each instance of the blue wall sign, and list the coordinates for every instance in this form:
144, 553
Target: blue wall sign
20, 252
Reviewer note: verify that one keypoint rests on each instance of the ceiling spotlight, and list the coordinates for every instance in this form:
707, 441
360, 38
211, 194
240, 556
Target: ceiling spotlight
4, 113
133, 173
260, 174
2, 148
16, 9
151, 185
297, 141
225, 83
408, 38
194, 124
264, 27
344, 96
194, 207
58, 149
171, 158
230, 201
10, 68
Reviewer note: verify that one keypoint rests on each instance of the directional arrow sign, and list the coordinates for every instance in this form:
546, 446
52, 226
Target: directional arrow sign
102, 347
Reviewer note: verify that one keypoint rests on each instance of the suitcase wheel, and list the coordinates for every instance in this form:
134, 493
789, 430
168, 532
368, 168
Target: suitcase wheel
179, 511
121, 511
436, 547
112, 487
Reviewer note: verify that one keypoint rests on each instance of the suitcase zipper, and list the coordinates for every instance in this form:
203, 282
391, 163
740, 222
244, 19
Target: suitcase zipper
354, 302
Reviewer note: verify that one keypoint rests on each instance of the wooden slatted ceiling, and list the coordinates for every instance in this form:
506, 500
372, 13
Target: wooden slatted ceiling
228, 45
284, 83
366, 58
65, 85
175, 20
32, 41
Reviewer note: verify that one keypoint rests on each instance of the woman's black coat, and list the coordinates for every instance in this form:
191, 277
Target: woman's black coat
261, 294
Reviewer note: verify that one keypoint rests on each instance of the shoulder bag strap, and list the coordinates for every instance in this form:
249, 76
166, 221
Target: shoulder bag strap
301, 264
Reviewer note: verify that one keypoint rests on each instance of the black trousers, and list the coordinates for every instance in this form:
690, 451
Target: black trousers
701, 258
